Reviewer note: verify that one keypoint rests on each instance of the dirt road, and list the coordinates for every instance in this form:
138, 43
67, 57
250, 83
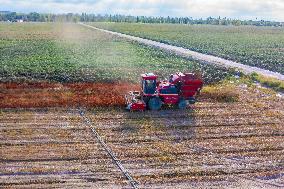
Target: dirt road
195, 55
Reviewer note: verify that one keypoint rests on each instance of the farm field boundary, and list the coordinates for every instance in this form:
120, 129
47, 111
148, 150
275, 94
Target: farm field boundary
195, 55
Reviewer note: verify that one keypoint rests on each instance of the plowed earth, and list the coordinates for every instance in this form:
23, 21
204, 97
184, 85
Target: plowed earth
211, 145
49, 149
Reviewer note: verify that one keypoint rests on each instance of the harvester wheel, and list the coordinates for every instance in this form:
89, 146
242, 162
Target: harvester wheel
192, 100
182, 104
155, 103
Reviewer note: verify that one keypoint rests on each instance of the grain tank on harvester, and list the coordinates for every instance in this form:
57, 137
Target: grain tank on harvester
181, 89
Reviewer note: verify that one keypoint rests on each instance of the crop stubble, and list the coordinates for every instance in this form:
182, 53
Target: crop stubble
49, 148
231, 144
238, 144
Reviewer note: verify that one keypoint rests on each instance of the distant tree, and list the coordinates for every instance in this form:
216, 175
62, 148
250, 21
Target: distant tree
236, 22
33, 16
84, 17
12, 16
42, 18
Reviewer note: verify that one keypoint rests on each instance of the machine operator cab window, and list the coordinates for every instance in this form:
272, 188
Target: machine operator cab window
149, 86
171, 78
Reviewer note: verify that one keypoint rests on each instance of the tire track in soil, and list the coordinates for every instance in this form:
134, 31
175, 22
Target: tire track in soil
115, 160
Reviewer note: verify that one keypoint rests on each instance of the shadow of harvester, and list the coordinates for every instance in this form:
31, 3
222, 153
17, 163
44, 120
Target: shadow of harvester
170, 125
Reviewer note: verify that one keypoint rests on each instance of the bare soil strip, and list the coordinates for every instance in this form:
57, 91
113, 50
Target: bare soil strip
195, 55
45, 94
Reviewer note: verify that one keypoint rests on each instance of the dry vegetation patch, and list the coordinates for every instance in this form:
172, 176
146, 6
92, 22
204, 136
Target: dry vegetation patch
221, 93
32, 95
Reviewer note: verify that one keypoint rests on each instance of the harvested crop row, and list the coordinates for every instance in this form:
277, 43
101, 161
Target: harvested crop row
195, 147
62, 156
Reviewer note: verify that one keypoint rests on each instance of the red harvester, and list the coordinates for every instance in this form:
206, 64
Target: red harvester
180, 90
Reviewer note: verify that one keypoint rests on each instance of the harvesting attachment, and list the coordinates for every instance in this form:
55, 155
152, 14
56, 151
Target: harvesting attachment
180, 90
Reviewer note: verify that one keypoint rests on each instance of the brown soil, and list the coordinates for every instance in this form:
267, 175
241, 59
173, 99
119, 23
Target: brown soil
212, 145
44, 94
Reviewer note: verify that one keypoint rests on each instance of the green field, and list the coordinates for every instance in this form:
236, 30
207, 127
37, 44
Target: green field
70, 53
256, 46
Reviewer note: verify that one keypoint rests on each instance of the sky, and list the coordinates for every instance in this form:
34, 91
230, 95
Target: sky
241, 9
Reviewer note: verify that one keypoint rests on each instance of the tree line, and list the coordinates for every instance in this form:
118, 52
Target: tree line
84, 17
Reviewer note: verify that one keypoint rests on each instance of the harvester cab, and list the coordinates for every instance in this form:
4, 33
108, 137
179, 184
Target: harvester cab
149, 83
181, 90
